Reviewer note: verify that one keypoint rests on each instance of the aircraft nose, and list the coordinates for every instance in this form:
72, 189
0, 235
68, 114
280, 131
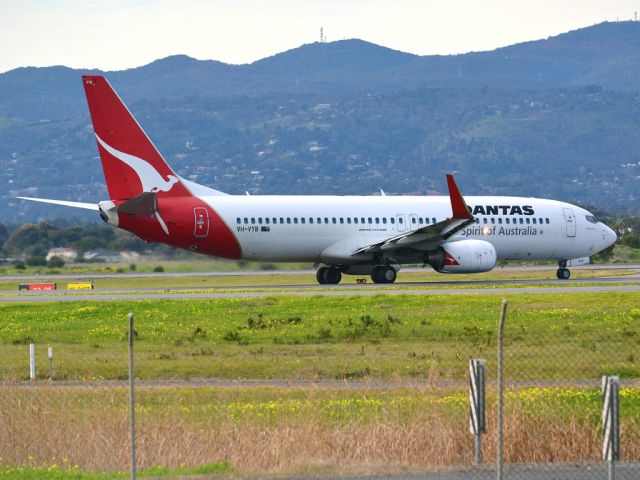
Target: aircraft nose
610, 236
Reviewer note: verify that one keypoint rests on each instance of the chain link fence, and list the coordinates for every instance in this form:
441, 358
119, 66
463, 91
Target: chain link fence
362, 423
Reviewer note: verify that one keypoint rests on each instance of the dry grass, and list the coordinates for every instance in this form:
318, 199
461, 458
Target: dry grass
89, 428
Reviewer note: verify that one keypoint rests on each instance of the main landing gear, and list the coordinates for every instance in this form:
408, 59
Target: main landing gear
328, 276
563, 273
383, 274
332, 275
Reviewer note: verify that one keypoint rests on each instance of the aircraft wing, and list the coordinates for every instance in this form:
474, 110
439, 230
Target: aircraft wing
86, 206
429, 237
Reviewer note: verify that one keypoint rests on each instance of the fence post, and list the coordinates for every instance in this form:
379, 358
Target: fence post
503, 315
132, 415
32, 361
50, 351
477, 424
611, 423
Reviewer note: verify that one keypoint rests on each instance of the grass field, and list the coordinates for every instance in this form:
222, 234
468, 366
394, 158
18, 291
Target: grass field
549, 336
71, 432
299, 431
145, 264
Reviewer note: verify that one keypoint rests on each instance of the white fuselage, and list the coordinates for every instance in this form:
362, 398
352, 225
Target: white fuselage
305, 228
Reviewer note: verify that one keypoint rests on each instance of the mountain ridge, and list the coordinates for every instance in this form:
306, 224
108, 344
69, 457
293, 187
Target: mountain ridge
550, 118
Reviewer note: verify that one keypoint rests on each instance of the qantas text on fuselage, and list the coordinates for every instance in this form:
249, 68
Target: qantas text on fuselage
358, 235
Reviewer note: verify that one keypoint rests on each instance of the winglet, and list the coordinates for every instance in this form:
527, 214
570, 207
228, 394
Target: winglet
458, 205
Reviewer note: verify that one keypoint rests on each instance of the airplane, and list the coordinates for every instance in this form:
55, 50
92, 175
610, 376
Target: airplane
353, 235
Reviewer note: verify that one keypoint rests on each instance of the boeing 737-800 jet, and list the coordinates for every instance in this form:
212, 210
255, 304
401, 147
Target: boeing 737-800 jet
363, 235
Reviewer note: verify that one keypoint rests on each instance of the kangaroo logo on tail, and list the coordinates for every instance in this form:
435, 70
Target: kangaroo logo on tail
151, 180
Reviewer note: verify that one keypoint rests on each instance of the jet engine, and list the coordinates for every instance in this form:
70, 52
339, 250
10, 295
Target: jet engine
465, 256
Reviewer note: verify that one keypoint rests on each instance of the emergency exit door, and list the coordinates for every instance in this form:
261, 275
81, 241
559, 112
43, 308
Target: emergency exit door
201, 229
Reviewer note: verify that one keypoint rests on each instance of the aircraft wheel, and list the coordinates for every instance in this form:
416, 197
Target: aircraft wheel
320, 275
376, 274
332, 276
563, 274
388, 274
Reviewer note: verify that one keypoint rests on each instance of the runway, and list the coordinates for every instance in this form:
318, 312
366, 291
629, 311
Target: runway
311, 273
332, 292
616, 283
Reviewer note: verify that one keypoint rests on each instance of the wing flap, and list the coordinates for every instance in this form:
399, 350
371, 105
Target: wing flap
431, 236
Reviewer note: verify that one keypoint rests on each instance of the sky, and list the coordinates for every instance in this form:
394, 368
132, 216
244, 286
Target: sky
120, 34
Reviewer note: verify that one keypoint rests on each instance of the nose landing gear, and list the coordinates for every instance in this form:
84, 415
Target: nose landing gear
563, 273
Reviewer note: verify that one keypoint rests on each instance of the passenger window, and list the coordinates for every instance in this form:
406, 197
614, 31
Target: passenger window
420, 221
377, 220
253, 221
266, 220
288, 219
392, 220
281, 220
355, 220
310, 219
507, 221
275, 220
295, 220
260, 220
477, 221
427, 221
246, 220
493, 220
413, 220
333, 220
547, 221
370, 221
434, 220
528, 221
484, 220
401, 220
362, 220
302, 220
238, 220
326, 220
319, 220
384, 220
500, 221
349, 220
534, 220
521, 220
341, 220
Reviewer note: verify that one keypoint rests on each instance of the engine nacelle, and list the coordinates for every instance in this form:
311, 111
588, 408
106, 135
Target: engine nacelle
467, 256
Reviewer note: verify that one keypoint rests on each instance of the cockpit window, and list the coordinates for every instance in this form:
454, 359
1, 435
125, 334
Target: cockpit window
591, 219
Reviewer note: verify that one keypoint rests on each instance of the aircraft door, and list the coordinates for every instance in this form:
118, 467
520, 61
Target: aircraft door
201, 219
570, 220
400, 223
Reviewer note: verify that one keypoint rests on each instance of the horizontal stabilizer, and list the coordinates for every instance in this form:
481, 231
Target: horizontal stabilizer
86, 206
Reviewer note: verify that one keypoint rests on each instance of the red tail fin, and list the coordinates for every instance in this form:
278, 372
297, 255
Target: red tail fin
131, 163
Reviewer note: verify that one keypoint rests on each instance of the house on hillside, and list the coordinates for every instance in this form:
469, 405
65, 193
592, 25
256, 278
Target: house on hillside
65, 253
101, 255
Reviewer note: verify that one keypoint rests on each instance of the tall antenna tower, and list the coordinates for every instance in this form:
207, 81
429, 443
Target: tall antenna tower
321, 35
